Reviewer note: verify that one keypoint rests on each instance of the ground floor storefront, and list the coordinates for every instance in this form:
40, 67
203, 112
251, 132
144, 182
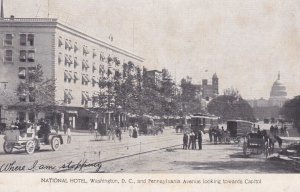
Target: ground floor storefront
59, 118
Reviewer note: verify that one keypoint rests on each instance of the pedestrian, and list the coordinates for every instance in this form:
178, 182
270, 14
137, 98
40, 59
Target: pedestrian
210, 134
108, 131
65, 127
44, 130
276, 130
130, 130
199, 137
90, 126
185, 140
286, 133
258, 130
272, 129
190, 140
222, 134
69, 135
215, 134
119, 133
134, 132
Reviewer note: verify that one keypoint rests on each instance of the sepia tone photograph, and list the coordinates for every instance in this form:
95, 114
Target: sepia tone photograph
150, 86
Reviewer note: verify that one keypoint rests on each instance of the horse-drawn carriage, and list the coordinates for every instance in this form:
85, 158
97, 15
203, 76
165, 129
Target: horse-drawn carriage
28, 139
256, 143
147, 126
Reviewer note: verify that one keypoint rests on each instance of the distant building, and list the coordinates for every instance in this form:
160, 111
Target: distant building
278, 93
154, 78
269, 108
210, 91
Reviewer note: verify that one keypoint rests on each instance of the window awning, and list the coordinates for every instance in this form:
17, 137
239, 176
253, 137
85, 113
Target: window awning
102, 57
85, 78
75, 48
94, 80
109, 59
75, 61
85, 64
22, 73
76, 77
67, 60
60, 43
85, 96
70, 59
68, 75
96, 93
109, 72
68, 45
68, 95
101, 69
94, 54
85, 50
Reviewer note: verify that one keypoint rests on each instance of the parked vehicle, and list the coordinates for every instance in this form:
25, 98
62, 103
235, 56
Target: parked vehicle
29, 140
2, 127
238, 129
255, 143
203, 122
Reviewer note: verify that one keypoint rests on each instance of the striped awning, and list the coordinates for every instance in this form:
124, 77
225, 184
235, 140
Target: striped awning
85, 96
68, 95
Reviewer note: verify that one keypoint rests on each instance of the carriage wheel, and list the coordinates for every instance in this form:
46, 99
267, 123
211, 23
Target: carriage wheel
8, 147
55, 143
30, 147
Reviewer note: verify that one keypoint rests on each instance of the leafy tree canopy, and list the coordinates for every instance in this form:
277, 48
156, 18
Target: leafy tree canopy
231, 107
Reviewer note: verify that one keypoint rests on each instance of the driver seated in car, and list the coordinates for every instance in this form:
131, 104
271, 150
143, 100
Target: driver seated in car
44, 130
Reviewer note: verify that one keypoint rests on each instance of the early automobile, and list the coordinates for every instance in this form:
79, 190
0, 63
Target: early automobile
29, 140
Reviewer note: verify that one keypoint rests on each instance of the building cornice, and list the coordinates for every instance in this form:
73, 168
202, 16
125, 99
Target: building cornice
53, 22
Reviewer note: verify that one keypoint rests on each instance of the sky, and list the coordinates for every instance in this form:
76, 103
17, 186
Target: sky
246, 42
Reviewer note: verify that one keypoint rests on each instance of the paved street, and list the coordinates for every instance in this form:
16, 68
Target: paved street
161, 153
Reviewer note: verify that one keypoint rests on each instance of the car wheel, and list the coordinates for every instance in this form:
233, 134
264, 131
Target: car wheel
8, 147
30, 147
55, 143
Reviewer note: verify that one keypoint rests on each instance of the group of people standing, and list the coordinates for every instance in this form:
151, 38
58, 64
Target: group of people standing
190, 139
217, 135
133, 131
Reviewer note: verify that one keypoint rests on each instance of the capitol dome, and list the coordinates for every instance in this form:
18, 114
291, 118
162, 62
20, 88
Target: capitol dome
278, 89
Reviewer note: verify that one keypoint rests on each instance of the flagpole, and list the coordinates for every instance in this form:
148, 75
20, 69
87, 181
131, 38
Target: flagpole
48, 8
133, 37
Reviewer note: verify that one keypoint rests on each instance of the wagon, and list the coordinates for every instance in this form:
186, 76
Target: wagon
29, 140
255, 143
238, 129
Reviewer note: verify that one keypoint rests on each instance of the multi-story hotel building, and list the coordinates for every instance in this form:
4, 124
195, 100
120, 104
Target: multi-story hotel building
77, 61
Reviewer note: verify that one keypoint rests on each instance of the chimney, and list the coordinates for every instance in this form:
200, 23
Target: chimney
2, 11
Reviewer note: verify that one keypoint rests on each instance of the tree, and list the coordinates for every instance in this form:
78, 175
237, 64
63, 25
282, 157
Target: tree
189, 101
40, 91
231, 107
291, 111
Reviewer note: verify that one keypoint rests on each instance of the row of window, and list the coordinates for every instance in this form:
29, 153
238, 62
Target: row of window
25, 39
25, 55
85, 65
69, 76
68, 97
25, 73
85, 51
